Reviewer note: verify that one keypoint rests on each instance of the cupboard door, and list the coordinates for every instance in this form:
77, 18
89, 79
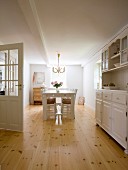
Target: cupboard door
98, 111
124, 57
99, 95
105, 60
124, 43
119, 123
106, 118
124, 51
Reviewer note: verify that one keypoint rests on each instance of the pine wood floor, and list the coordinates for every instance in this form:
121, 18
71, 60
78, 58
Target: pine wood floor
75, 145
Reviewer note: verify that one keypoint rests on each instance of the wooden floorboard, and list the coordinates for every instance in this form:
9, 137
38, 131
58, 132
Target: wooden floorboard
73, 145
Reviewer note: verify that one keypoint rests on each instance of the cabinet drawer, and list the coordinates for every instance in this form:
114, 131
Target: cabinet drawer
98, 95
119, 98
107, 96
37, 98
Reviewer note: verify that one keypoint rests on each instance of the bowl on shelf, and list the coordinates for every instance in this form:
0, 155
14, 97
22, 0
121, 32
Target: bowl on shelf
117, 64
110, 87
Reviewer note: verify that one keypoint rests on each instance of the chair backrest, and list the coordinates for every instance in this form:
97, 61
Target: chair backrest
51, 100
76, 90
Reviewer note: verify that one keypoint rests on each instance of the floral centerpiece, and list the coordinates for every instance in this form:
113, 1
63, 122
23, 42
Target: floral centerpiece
56, 84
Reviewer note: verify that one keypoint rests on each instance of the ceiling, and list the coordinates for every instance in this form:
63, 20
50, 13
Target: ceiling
74, 28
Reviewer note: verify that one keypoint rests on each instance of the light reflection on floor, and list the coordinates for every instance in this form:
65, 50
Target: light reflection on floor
58, 119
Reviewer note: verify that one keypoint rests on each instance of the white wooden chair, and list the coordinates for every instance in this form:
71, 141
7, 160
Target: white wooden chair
66, 105
51, 106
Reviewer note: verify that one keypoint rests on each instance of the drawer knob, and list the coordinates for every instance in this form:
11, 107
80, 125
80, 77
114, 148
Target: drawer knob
117, 98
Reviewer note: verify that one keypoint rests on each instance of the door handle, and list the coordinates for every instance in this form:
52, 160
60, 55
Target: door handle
19, 85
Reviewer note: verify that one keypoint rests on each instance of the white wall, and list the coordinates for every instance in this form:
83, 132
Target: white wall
38, 68
74, 75
26, 83
88, 82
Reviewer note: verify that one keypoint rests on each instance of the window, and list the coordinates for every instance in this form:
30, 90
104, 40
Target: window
98, 75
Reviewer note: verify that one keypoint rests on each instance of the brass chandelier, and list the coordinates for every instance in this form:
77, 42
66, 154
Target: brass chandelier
58, 68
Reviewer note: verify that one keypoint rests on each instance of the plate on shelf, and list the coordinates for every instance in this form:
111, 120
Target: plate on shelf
117, 65
110, 87
116, 55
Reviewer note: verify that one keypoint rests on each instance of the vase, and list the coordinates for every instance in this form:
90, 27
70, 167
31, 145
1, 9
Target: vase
57, 90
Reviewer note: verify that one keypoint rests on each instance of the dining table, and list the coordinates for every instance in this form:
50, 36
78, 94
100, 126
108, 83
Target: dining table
58, 94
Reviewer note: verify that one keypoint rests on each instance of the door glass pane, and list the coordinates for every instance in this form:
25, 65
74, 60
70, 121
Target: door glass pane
124, 43
9, 73
13, 72
14, 56
3, 59
124, 57
13, 88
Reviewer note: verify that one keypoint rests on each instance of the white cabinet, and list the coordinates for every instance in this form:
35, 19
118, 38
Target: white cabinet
119, 118
112, 108
106, 112
98, 111
111, 114
106, 116
105, 60
117, 58
98, 107
124, 49
115, 52
119, 122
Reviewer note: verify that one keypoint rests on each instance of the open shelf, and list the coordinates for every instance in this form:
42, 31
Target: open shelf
116, 55
116, 68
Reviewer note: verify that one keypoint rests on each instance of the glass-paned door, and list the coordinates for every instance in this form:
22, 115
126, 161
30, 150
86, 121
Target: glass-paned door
9, 72
11, 86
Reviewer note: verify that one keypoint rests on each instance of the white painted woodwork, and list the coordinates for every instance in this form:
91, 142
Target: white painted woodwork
114, 118
119, 122
98, 107
119, 98
11, 106
98, 111
106, 116
115, 52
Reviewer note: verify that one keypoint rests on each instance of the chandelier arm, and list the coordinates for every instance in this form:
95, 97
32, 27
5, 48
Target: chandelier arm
58, 69
62, 70
55, 70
